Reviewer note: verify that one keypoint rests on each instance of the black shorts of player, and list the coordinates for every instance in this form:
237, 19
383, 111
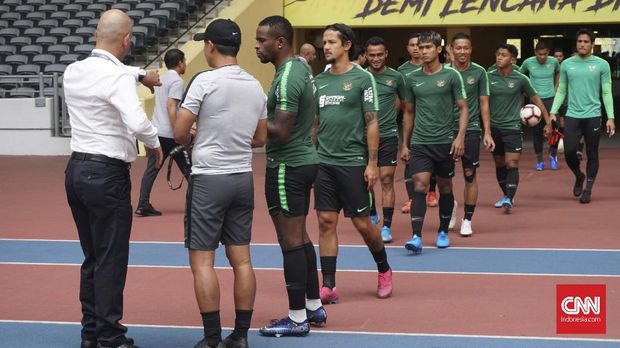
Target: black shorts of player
388, 150
219, 208
342, 187
507, 140
431, 158
287, 189
471, 156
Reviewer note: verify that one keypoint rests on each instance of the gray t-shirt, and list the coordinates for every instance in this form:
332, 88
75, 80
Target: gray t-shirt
171, 87
229, 102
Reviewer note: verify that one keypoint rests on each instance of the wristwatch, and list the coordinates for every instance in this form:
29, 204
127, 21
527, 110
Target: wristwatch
141, 74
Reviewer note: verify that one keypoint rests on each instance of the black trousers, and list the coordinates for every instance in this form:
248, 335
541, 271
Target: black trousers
591, 129
99, 197
151, 171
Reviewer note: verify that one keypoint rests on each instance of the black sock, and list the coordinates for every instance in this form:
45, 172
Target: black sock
433, 184
328, 269
212, 327
589, 184
469, 211
418, 210
408, 181
553, 151
312, 282
388, 213
500, 174
381, 260
539, 157
373, 206
243, 318
295, 276
512, 181
446, 204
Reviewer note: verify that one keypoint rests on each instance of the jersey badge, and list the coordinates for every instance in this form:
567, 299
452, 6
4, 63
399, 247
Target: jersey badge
347, 86
441, 83
511, 84
471, 80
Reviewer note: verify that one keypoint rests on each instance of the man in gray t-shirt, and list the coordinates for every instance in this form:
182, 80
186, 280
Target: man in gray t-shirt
229, 107
167, 102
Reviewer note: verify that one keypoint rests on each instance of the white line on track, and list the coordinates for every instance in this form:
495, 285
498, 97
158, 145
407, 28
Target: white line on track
541, 338
340, 270
316, 245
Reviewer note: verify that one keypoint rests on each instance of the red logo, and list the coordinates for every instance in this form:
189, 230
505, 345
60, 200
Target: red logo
580, 309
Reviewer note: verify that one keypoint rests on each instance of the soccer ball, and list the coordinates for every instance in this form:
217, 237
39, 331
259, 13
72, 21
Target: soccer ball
530, 115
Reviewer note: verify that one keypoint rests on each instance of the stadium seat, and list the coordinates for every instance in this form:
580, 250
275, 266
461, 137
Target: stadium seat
23, 92
12, 3
6, 69
55, 68
84, 2
122, 6
21, 41
4, 24
23, 24
36, 2
48, 8
60, 15
68, 58
136, 15
97, 8
31, 50
44, 59
28, 69
16, 59
11, 16
48, 23
72, 40
72, 8
60, 32
46, 41
73, 23
10, 32
4, 9
93, 22
85, 32
83, 49
146, 7
36, 16
58, 49
7, 50
60, 2
24, 9
34, 33
85, 15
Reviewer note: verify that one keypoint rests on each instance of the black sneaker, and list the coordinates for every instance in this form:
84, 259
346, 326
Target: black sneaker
203, 344
147, 210
230, 342
578, 188
585, 197
88, 343
128, 344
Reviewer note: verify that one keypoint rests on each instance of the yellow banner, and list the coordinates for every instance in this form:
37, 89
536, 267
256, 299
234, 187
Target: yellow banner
393, 13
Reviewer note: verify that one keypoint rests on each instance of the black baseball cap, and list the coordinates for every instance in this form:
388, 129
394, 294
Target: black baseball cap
222, 32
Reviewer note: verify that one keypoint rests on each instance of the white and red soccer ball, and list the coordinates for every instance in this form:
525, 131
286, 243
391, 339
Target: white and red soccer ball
530, 115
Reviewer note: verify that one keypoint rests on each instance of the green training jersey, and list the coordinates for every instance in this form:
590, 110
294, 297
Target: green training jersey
494, 67
407, 68
541, 75
293, 90
476, 84
390, 83
433, 97
584, 79
505, 99
343, 99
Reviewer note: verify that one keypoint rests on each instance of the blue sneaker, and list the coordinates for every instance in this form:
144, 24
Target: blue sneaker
553, 162
285, 327
374, 218
498, 204
507, 205
443, 241
386, 234
540, 166
318, 317
414, 244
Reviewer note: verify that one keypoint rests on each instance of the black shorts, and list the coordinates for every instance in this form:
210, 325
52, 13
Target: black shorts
287, 189
507, 140
342, 187
219, 208
388, 150
471, 156
431, 158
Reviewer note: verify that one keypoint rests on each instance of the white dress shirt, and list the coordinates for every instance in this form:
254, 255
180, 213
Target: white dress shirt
104, 109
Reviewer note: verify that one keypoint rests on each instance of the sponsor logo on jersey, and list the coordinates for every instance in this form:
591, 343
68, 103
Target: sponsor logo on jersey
591, 67
441, 83
389, 82
471, 80
327, 100
347, 86
368, 95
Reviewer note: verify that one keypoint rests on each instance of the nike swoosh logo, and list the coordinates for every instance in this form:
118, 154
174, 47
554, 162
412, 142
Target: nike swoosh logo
494, 82
596, 129
419, 84
476, 163
321, 87
393, 162
518, 149
572, 68
271, 208
359, 210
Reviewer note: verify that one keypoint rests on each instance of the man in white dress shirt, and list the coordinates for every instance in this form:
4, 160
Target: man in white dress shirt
106, 117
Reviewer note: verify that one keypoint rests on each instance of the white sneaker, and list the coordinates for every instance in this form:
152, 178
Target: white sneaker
453, 217
466, 230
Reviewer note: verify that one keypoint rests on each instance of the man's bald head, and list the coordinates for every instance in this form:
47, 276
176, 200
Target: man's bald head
308, 52
113, 28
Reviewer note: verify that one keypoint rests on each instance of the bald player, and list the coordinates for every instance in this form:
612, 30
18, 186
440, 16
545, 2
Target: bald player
106, 119
307, 52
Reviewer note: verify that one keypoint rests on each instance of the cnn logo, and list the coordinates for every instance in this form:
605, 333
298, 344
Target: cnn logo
580, 309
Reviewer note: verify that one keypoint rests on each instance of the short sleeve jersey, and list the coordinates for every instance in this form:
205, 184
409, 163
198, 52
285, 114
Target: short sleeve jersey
407, 68
476, 84
434, 97
390, 84
584, 78
494, 67
228, 103
541, 75
171, 88
505, 99
293, 90
342, 101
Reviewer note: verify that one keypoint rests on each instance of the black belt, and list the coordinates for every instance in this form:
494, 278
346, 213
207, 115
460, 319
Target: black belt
81, 156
